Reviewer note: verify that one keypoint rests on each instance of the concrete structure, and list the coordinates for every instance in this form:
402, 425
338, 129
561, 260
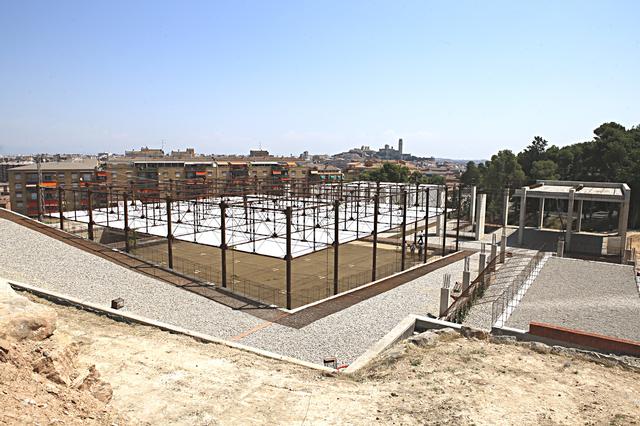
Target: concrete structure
576, 192
481, 210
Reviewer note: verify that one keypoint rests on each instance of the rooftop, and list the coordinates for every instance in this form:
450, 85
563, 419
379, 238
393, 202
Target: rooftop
590, 191
88, 164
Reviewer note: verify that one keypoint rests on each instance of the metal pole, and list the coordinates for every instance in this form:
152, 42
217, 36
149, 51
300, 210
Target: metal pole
404, 230
458, 216
60, 211
444, 220
90, 210
223, 242
169, 234
126, 222
426, 228
376, 205
39, 200
336, 243
288, 257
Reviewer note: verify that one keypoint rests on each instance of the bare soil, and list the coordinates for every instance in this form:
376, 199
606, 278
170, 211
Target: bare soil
163, 378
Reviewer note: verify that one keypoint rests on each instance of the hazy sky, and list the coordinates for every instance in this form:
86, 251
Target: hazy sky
453, 79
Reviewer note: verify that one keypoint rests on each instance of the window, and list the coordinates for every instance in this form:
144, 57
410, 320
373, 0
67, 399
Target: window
47, 177
74, 176
74, 185
19, 195
177, 174
60, 176
18, 186
87, 176
33, 195
17, 176
33, 177
19, 204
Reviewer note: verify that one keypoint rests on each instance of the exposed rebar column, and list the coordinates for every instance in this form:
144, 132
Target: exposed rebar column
403, 255
288, 257
445, 293
466, 275
336, 243
90, 211
482, 261
60, 210
126, 222
223, 242
169, 234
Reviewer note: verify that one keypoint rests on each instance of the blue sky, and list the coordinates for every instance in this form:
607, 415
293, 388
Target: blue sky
453, 79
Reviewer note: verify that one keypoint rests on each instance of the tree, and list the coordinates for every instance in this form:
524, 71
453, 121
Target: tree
544, 169
471, 176
389, 172
532, 153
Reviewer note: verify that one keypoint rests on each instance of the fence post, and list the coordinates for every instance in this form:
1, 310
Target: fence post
60, 210
503, 245
169, 234
288, 257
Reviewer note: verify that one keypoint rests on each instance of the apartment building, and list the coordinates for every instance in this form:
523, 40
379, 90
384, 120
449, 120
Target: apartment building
5, 200
23, 185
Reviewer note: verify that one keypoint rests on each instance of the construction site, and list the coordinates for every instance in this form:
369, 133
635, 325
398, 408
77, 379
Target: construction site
342, 287
305, 243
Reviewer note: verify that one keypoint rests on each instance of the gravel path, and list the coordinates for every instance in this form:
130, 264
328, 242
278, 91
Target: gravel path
34, 258
479, 315
591, 296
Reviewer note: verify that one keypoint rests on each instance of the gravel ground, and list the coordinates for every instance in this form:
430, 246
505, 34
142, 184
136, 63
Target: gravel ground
346, 334
31, 257
34, 258
479, 315
591, 296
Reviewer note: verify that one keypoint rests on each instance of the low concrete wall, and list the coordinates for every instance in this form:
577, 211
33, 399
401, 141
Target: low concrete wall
595, 341
404, 330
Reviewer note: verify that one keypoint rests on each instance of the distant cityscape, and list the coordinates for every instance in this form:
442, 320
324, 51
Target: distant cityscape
21, 175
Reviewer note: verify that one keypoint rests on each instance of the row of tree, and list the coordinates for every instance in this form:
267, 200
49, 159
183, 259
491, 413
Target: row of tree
613, 155
394, 172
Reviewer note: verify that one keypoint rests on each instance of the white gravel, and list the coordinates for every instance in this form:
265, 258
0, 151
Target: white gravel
34, 258
584, 295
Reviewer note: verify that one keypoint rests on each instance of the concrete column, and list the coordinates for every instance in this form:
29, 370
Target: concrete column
481, 209
503, 247
579, 224
523, 215
505, 208
445, 294
482, 261
560, 248
623, 219
541, 218
472, 207
569, 230
439, 216
466, 275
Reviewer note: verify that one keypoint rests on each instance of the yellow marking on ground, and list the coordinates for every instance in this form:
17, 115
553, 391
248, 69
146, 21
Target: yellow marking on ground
257, 328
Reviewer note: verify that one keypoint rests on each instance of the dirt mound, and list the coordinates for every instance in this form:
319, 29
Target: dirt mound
42, 380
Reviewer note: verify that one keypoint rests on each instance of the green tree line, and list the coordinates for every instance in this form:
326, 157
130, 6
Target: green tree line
613, 155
